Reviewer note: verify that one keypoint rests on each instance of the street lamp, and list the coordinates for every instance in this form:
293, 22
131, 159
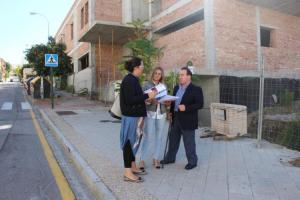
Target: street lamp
44, 16
42, 78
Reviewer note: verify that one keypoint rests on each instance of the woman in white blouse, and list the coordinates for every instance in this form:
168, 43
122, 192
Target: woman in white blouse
154, 122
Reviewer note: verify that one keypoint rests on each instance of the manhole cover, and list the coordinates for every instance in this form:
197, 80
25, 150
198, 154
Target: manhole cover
104, 121
112, 121
66, 113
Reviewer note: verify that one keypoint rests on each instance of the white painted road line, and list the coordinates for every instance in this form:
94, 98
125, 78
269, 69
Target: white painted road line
25, 106
7, 106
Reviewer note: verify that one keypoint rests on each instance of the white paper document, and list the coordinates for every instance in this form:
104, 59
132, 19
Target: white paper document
162, 93
167, 98
161, 90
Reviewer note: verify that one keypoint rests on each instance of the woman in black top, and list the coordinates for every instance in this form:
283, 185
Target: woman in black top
132, 103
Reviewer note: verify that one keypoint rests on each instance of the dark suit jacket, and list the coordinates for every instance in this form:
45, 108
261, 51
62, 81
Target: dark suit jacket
193, 101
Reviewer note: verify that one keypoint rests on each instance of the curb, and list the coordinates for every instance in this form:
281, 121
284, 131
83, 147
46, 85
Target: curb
3, 138
93, 182
90, 178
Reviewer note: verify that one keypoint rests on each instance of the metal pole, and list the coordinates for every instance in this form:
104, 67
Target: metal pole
260, 66
52, 95
100, 65
107, 88
150, 17
112, 54
261, 105
42, 80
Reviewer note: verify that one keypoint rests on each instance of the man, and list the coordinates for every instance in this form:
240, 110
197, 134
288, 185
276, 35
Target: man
184, 114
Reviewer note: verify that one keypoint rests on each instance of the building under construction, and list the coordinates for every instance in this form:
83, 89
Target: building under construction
231, 43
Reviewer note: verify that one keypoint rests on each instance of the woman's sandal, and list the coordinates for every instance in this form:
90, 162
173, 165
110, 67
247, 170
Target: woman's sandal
156, 164
142, 165
142, 172
138, 180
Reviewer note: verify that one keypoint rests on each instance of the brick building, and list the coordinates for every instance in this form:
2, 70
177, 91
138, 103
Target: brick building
223, 38
2, 69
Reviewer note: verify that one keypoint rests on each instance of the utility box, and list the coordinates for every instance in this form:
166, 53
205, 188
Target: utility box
228, 119
35, 86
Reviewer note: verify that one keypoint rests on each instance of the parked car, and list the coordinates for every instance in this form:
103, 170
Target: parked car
14, 78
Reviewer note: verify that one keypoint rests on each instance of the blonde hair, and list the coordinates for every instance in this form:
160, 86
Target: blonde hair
162, 74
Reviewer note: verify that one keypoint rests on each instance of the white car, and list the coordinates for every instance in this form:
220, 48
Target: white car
14, 79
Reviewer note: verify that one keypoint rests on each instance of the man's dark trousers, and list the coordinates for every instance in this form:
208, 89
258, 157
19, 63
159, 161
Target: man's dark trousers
188, 141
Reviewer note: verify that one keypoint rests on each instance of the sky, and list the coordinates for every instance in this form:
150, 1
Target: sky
19, 30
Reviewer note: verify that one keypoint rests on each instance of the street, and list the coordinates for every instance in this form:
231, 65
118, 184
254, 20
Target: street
28, 169
24, 170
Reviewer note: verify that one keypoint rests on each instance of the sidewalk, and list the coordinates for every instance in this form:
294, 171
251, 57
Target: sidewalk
227, 170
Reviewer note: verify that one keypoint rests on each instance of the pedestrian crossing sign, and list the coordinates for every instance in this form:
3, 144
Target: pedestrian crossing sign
51, 60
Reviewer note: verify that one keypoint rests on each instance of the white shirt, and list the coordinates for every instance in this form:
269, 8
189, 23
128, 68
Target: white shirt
157, 114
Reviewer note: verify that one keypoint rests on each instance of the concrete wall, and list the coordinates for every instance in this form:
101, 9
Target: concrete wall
173, 12
126, 11
140, 10
134, 9
167, 3
83, 79
155, 8
211, 92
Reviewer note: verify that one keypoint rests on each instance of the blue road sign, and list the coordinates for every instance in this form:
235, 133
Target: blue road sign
51, 60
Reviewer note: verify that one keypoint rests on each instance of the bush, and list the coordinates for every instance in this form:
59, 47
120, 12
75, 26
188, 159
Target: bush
171, 80
286, 98
63, 83
70, 88
291, 136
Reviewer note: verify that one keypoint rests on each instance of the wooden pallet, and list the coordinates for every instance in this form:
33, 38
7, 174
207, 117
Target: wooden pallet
219, 136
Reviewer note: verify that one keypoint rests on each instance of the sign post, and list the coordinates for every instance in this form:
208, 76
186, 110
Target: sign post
51, 60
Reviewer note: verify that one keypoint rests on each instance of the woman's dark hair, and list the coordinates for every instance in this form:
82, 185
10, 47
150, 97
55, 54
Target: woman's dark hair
132, 63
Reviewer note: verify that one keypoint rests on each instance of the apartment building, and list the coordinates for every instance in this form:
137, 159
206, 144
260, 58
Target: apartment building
223, 38
2, 69
95, 32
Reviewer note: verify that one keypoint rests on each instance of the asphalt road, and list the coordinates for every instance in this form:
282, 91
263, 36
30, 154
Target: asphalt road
24, 169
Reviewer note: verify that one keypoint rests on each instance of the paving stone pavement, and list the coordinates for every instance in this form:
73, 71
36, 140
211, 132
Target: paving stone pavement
227, 170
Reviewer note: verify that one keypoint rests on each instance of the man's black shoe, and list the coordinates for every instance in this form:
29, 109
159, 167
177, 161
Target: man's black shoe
190, 166
165, 162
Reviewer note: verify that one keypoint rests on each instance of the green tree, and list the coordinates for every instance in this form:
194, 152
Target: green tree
143, 48
171, 80
8, 68
36, 59
18, 71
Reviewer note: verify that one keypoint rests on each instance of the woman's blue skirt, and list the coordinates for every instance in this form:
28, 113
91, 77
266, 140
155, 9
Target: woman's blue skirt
128, 132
